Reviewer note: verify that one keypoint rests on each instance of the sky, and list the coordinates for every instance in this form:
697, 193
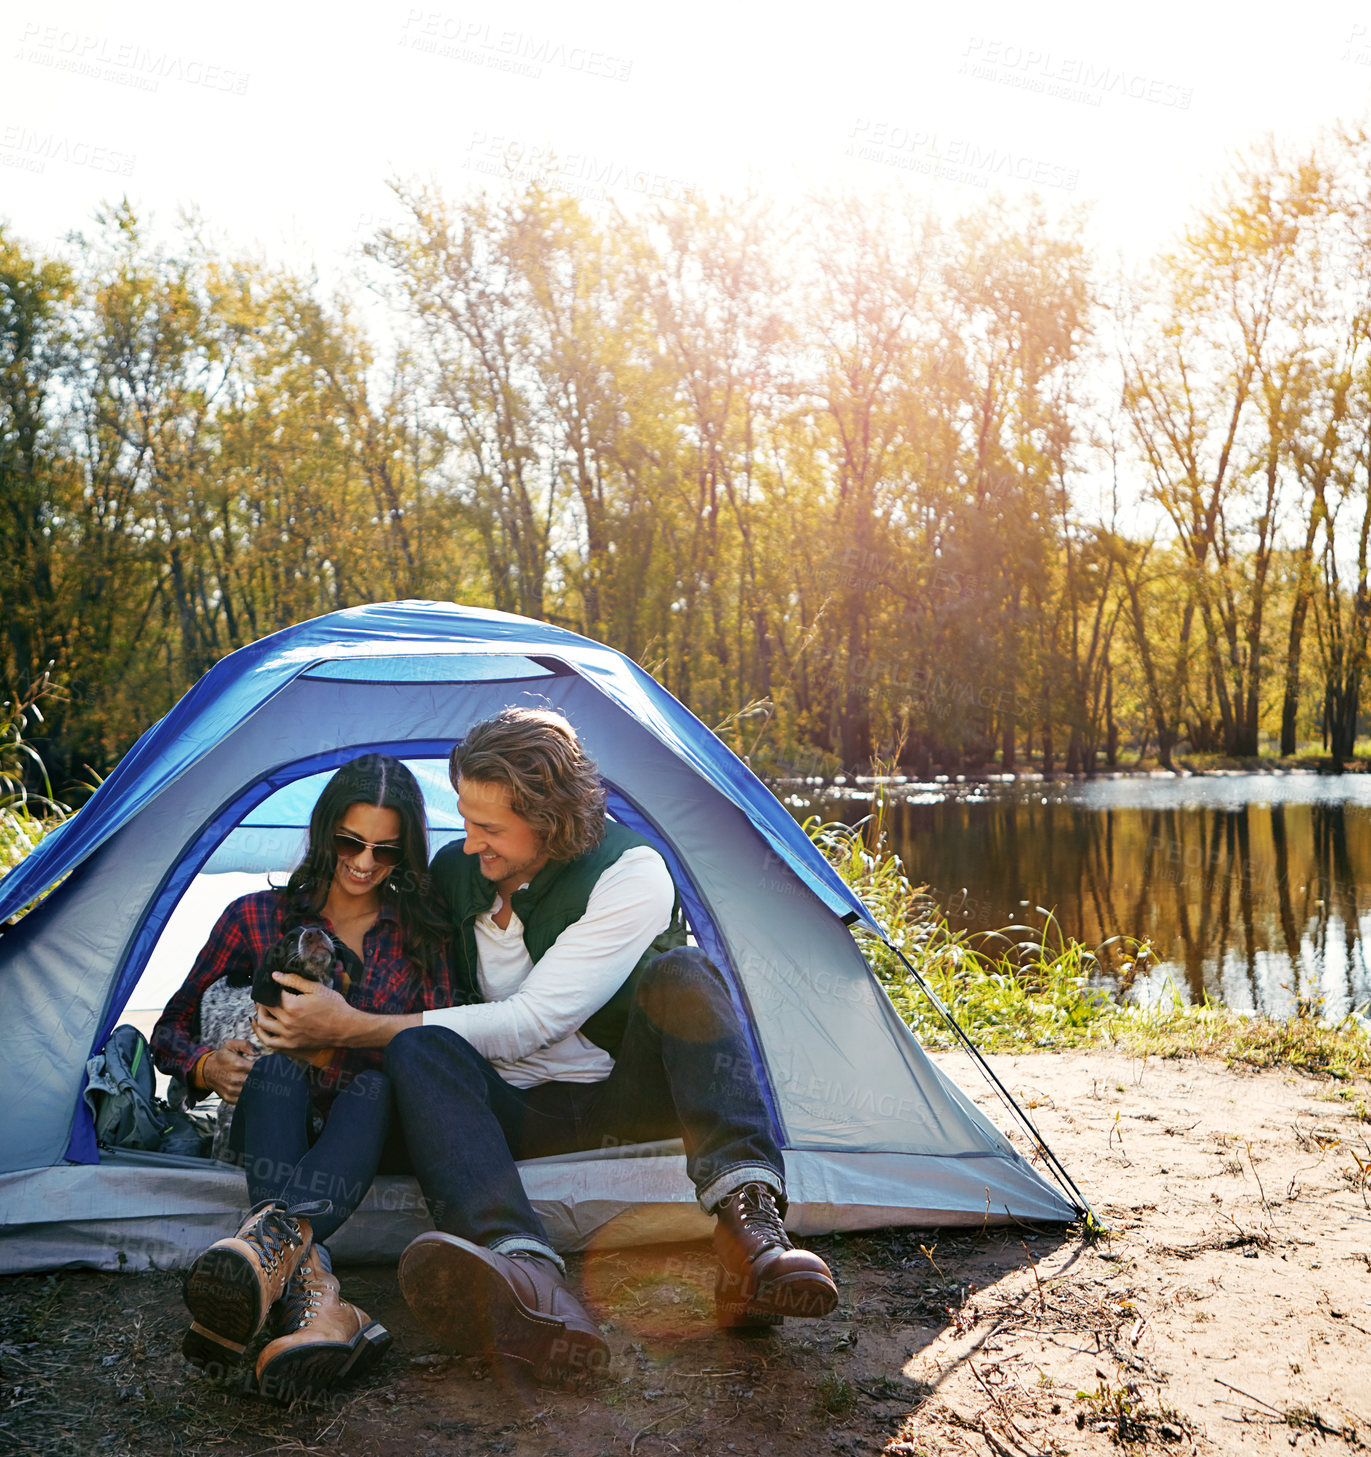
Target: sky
281, 124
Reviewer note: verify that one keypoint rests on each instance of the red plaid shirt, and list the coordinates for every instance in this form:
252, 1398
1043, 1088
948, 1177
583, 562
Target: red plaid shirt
390, 983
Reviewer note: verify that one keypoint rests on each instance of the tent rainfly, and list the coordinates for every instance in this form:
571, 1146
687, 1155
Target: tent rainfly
873, 1133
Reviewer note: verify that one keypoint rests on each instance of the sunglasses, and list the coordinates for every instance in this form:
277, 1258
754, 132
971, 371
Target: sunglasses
346, 846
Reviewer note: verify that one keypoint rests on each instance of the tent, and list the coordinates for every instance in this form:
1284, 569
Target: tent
874, 1134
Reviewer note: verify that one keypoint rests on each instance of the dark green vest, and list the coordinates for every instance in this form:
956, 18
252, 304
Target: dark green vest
553, 899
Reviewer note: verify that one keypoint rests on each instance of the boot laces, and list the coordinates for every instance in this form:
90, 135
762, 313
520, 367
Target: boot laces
758, 1212
274, 1233
302, 1298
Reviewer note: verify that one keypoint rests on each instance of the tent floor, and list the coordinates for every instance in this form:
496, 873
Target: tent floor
140, 1212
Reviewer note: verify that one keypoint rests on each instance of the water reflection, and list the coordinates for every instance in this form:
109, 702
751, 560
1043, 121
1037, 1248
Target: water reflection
1252, 889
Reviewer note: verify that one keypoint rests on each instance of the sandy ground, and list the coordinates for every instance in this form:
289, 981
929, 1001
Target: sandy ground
1228, 1310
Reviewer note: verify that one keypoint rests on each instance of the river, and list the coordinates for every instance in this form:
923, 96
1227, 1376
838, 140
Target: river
1254, 889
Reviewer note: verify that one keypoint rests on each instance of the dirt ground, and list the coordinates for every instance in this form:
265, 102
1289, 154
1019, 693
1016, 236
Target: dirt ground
1228, 1310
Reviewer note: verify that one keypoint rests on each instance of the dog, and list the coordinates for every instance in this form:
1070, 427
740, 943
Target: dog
308, 951
229, 1004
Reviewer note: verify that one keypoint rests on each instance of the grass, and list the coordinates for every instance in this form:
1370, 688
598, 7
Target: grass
20, 832
24, 817
1025, 988
1309, 757
834, 1396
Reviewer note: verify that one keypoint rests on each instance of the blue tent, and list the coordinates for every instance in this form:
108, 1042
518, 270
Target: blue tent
873, 1133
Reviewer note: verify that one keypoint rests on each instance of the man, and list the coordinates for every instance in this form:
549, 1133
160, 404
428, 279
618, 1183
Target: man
590, 1025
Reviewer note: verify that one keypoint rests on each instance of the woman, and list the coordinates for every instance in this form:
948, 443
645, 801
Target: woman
365, 878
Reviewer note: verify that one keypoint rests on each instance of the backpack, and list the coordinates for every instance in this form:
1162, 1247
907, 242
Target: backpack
120, 1090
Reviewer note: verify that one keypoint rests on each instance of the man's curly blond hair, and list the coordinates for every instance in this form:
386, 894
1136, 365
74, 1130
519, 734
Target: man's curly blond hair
554, 785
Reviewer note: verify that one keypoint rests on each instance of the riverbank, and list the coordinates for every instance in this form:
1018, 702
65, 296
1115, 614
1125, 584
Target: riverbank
1197, 766
1226, 1311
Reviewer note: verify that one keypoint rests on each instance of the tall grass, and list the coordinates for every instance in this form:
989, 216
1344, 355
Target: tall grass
1025, 988
20, 832
25, 817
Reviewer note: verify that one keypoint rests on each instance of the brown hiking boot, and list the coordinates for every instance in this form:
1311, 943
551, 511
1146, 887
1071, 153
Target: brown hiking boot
321, 1339
480, 1303
763, 1277
233, 1284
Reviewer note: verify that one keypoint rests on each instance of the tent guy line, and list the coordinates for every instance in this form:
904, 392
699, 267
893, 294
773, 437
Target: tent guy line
1056, 1166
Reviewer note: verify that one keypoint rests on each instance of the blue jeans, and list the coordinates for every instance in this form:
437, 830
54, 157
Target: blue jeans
272, 1129
684, 1070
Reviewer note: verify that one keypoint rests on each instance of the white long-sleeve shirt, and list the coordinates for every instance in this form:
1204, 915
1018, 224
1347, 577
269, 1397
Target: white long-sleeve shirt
527, 1024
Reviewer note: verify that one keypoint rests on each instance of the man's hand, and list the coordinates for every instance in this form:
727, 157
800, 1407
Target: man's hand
226, 1069
319, 1017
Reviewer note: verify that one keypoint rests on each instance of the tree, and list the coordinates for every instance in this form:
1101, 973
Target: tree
870, 317
1209, 389
38, 488
713, 292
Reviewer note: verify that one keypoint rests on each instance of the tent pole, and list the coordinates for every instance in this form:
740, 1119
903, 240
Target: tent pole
1006, 1097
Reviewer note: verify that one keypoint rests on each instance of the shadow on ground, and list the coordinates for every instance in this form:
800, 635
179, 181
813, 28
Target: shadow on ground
90, 1363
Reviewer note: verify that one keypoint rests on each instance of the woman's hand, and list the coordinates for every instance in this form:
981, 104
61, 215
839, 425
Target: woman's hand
226, 1069
319, 1017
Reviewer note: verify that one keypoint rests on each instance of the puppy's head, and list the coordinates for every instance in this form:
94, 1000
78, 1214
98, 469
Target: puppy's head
307, 951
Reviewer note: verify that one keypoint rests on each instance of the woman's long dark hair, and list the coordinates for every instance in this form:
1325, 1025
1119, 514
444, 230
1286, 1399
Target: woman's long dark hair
379, 780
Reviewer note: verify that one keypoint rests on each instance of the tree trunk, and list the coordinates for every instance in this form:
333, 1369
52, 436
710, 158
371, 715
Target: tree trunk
1343, 700
1111, 739
1166, 732
1299, 610
1167, 739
